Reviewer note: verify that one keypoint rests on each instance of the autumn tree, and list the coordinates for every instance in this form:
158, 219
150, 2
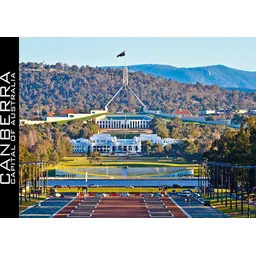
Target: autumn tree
191, 147
94, 156
25, 155
157, 149
175, 128
236, 147
159, 127
146, 146
167, 149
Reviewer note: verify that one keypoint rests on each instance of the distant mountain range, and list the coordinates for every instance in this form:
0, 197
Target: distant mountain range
223, 76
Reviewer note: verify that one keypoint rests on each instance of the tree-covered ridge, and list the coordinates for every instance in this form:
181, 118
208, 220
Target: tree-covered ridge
197, 139
238, 147
51, 141
47, 88
210, 75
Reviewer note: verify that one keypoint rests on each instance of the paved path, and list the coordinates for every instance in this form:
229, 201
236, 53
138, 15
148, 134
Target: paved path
197, 210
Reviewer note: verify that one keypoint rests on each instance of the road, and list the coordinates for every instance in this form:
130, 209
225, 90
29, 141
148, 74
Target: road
194, 209
120, 207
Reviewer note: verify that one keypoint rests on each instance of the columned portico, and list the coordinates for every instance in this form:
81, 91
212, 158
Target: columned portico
123, 122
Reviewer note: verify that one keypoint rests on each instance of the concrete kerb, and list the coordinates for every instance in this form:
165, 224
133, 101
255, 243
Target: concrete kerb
220, 211
188, 215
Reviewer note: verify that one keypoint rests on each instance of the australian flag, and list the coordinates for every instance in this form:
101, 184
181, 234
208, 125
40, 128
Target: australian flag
121, 54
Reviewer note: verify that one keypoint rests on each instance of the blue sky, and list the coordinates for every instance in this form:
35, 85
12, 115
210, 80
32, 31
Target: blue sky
237, 53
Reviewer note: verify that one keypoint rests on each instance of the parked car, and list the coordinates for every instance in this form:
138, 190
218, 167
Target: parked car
93, 186
125, 194
196, 195
176, 186
57, 195
163, 186
147, 194
100, 194
185, 193
159, 194
38, 205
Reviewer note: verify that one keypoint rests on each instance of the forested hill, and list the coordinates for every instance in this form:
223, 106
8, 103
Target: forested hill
55, 87
218, 74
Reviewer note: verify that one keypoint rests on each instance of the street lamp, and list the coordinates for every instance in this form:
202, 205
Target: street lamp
254, 189
248, 191
86, 183
158, 172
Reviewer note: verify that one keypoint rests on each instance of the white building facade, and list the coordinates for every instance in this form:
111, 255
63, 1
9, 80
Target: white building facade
105, 143
123, 121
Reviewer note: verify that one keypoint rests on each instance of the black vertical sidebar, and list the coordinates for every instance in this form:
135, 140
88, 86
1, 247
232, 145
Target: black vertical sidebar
9, 127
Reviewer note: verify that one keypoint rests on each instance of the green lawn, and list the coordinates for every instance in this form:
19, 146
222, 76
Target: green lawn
232, 212
116, 161
118, 164
81, 162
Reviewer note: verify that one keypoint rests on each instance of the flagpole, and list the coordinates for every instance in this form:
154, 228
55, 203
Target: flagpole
124, 68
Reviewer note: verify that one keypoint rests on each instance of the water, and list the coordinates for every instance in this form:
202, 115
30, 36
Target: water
125, 182
125, 171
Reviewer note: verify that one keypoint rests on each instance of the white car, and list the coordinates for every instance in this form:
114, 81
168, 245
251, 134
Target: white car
147, 195
185, 193
196, 195
57, 195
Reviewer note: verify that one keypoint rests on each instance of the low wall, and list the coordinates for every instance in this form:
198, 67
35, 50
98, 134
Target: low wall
63, 118
185, 117
199, 119
30, 122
